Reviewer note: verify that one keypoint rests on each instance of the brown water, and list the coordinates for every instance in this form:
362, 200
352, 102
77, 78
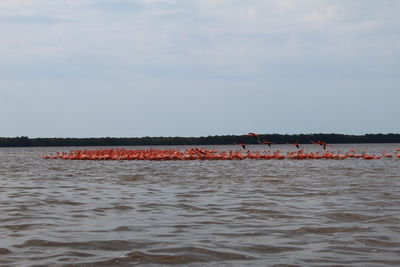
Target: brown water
199, 213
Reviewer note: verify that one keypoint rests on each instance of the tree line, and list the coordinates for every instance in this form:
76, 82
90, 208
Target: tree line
24, 141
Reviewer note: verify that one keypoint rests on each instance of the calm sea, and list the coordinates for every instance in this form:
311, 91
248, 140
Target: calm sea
199, 213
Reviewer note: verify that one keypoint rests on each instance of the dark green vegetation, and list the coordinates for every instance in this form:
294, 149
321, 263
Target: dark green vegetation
24, 141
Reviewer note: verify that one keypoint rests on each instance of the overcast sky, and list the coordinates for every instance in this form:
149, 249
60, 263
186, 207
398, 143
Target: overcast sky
126, 68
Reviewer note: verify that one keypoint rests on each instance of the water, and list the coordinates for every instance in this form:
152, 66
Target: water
199, 213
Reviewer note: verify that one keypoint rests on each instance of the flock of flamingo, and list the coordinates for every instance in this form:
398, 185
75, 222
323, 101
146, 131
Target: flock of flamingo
212, 154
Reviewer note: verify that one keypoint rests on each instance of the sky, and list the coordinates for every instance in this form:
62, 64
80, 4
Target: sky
133, 68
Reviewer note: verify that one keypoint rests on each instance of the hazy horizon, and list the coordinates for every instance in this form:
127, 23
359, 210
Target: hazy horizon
194, 136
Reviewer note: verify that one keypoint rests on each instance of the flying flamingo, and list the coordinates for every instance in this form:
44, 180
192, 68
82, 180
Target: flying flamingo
241, 144
266, 143
295, 144
260, 141
323, 144
255, 136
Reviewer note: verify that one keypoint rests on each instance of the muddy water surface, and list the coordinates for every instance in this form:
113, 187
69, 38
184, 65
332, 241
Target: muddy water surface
199, 213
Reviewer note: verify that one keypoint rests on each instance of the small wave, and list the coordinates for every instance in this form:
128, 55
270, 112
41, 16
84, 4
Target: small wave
110, 245
130, 228
131, 178
343, 216
25, 226
386, 219
190, 207
67, 256
324, 230
116, 207
4, 251
359, 250
378, 243
260, 211
387, 262
269, 249
122, 207
60, 202
183, 255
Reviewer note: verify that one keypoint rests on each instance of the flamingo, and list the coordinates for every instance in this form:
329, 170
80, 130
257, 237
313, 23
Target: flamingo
266, 143
323, 144
205, 154
241, 144
255, 136
295, 144
259, 140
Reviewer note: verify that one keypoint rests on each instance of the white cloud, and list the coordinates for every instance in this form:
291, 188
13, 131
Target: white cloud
229, 35
94, 53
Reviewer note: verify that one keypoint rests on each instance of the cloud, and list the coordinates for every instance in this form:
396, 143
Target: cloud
224, 38
175, 30
228, 50
31, 20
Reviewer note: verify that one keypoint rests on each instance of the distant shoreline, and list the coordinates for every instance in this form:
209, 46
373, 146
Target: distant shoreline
24, 141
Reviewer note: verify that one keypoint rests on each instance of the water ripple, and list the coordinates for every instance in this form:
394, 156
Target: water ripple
204, 213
